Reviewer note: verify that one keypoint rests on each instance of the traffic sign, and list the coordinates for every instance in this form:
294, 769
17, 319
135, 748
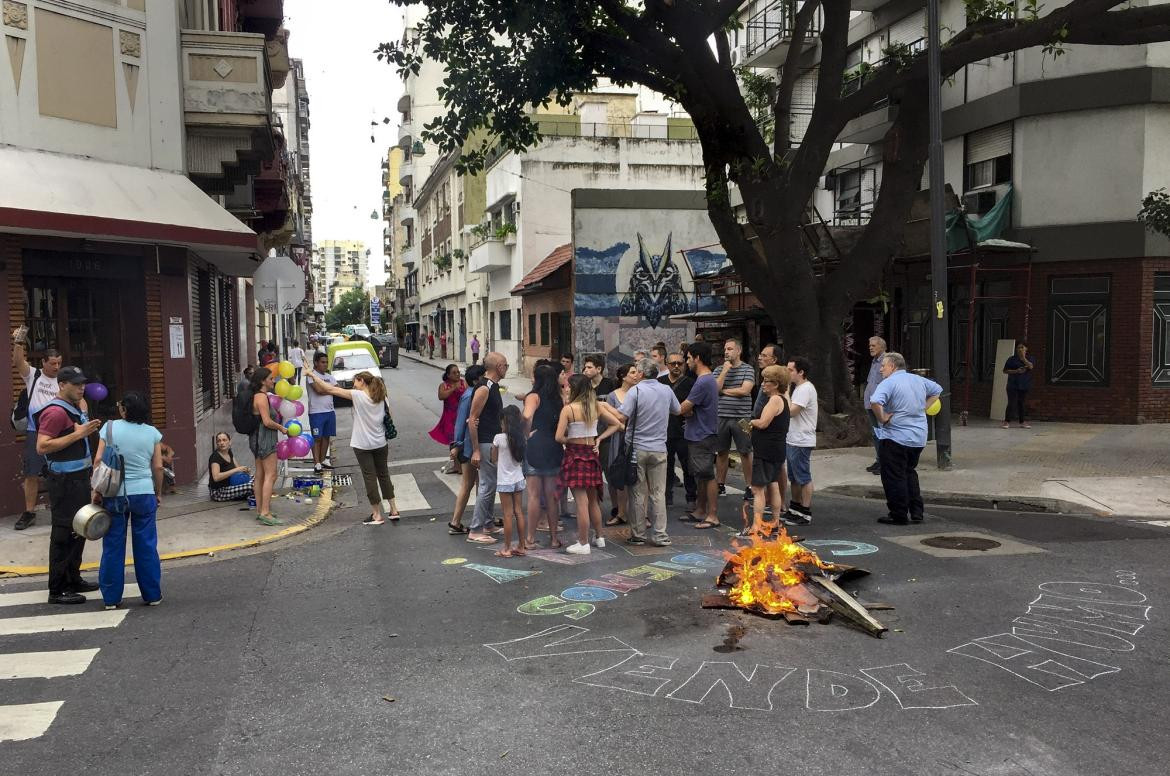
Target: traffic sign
375, 310
279, 285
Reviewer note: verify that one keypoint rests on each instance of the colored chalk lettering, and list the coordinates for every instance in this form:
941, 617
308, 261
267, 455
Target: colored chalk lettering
1124, 618
909, 688
564, 559
1094, 591
500, 575
752, 690
835, 691
698, 560
553, 604
1043, 630
841, 547
616, 583
663, 564
556, 641
587, 593
640, 673
651, 572
1042, 667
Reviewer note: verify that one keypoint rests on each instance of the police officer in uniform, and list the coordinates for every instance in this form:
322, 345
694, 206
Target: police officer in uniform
63, 430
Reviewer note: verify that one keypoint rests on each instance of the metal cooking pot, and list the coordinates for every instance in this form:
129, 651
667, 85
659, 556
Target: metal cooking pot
91, 521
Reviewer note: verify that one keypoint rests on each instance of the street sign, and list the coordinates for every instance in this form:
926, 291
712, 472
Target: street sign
375, 311
279, 285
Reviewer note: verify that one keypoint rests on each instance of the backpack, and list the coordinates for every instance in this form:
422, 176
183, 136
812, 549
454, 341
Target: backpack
242, 417
19, 417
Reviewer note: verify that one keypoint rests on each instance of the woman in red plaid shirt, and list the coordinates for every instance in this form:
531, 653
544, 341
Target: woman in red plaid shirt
581, 466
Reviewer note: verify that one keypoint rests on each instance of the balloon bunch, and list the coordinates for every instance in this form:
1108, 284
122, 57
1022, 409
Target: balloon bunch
285, 402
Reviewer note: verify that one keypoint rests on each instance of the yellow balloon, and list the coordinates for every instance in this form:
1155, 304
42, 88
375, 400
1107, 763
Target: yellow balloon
282, 388
294, 429
287, 370
934, 408
295, 392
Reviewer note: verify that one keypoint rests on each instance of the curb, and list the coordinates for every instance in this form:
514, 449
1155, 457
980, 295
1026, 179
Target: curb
324, 506
418, 360
1037, 504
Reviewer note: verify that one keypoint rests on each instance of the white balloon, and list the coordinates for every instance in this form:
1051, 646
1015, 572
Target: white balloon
287, 409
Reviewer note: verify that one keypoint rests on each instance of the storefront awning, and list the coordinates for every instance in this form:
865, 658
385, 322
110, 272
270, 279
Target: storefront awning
56, 194
539, 278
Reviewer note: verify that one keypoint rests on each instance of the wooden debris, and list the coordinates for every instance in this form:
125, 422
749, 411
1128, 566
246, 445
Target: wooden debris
795, 618
845, 605
718, 601
876, 606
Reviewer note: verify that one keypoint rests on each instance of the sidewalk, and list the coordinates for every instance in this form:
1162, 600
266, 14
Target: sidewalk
189, 525
1079, 468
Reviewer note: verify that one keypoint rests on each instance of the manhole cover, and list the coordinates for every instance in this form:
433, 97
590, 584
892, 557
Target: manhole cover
960, 543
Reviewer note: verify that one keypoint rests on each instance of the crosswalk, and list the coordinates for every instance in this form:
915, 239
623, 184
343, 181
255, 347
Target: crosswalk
25, 721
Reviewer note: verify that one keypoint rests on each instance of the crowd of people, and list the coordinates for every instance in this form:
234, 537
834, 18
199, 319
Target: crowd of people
669, 418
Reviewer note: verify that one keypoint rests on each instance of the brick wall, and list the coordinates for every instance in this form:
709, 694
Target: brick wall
557, 301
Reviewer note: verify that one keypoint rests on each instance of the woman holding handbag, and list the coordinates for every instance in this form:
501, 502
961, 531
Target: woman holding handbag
373, 428
618, 492
139, 445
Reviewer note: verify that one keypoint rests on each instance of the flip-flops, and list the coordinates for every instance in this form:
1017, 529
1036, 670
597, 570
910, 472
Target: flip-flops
702, 524
482, 540
457, 530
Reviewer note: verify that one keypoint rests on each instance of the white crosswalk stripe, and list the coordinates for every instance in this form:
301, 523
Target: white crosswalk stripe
407, 496
24, 721
453, 481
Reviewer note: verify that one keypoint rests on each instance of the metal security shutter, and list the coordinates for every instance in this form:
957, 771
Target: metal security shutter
804, 91
196, 338
908, 29
989, 143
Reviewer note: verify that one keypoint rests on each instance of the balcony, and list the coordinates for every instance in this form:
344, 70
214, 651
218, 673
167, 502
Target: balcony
871, 127
406, 215
406, 172
262, 16
227, 107
769, 34
490, 255
276, 50
404, 103
405, 134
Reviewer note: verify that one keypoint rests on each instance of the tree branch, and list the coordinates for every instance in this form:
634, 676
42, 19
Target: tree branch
782, 110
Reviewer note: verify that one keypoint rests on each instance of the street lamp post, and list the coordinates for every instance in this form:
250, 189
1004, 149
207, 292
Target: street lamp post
940, 329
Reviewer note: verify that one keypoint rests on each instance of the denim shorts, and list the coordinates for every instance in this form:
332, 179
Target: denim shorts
799, 469
530, 471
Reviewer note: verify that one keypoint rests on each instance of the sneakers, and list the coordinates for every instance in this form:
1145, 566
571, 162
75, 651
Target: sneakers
599, 542
747, 495
576, 548
25, 520
798, 515
636, 540
110, 607
84, 586
66, 598
722, 489
874, 468
663, 542
317, 468
153, 603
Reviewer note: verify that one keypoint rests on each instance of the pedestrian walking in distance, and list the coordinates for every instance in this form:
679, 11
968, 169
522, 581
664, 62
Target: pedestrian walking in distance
508, 456
297, 356
1018, 368
581, 465
140, 446
900, 403
877, 349
474, 349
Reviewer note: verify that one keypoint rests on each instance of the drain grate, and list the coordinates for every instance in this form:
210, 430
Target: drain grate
342, 479
972, 543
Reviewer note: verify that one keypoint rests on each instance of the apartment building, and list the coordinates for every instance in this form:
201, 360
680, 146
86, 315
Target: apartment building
343, 265
143, 168
1050, 158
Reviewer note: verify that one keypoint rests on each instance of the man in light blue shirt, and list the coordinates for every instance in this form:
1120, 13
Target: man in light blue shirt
899, 402
647, 409
877, 349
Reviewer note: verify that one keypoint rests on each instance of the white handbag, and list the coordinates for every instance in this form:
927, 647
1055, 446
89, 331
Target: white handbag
109, 473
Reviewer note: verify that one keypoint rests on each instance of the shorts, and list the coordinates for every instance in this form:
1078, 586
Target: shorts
515, 487
34, 462
765, 472
323, 424
530, 471
799, 470
702, 457
729, 431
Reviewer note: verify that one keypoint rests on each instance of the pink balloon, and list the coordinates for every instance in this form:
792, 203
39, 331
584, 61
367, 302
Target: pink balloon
300, 447
283, 449
274, 401
300, 408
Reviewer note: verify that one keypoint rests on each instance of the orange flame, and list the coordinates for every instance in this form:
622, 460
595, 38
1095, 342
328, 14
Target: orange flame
766, 573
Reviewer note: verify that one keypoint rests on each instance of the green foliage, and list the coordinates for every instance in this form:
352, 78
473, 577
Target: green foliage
1055, 47
352, 307
1155, 212
759, 94
504, 229
986, 10
482, 231
443, 262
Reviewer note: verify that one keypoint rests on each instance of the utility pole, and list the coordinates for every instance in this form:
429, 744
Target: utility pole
940, 315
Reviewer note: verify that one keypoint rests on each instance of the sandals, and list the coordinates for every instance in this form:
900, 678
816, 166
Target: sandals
615, 520
457, 530
394, 517
371, 521
706, 524
269, 520
482, 540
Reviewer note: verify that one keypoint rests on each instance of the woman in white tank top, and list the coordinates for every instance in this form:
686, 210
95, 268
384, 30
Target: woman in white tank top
581, 466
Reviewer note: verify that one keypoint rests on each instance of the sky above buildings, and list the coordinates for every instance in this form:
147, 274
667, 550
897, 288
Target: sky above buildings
348, 88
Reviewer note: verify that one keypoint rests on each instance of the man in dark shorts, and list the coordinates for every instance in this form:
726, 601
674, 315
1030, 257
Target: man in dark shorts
701, 409
63, 431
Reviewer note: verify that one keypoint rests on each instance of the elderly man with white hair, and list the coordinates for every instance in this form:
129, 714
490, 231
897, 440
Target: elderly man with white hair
647, 410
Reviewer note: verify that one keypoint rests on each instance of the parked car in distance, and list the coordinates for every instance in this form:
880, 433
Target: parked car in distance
386, 345
359, 329
346, 359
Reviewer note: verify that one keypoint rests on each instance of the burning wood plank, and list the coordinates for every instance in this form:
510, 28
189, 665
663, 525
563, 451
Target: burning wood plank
844, 604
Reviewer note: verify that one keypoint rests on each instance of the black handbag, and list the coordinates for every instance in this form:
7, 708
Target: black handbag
623, 471
388, 423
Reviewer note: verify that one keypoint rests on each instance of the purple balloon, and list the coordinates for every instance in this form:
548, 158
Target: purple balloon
300, 408
300, 446
284, 449
274, 401
96, 392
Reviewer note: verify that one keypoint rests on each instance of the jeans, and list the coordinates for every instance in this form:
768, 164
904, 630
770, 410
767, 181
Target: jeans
677, 448
900, 480
1015, 406
139, 511
485, 497
375, 475
873, 427
67, 494
651, 479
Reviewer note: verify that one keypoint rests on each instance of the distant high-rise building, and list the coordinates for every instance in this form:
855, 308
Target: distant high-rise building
338, 266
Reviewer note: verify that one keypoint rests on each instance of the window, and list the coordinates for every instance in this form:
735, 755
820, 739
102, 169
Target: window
491, 321
856, 190
544, 328
531, 329
1078, 330
1161, 355
505, 324
988, 157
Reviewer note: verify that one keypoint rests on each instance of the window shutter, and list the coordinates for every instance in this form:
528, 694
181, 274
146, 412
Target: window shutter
804, 91
908, 29
989, 143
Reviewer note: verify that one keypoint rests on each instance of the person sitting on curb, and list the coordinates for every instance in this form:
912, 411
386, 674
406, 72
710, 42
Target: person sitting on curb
227, 480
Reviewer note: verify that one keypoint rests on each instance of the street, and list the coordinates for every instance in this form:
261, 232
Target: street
402, 650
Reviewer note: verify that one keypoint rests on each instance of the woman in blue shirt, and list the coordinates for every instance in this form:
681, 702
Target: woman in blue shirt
140, 445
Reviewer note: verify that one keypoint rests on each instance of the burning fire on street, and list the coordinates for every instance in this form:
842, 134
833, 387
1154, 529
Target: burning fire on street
774, 575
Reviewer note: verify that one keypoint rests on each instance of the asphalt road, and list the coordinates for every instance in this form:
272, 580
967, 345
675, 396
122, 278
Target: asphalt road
358, 650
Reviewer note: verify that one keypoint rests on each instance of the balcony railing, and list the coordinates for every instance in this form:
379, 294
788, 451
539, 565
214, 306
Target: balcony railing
676, 131
776, 24
864, 73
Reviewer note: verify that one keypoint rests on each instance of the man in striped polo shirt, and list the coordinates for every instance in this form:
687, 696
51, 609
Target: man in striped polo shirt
735, 379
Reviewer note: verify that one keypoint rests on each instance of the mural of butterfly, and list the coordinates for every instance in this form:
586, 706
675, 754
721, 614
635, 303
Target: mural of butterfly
656, 289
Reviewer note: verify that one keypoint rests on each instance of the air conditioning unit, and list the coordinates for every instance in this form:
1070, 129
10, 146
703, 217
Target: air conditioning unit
977, 203
738, 55
515, 206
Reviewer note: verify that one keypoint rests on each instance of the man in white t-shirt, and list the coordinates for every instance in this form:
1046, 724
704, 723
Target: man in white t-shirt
322, 418
41, 387
297, 357
802, 438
